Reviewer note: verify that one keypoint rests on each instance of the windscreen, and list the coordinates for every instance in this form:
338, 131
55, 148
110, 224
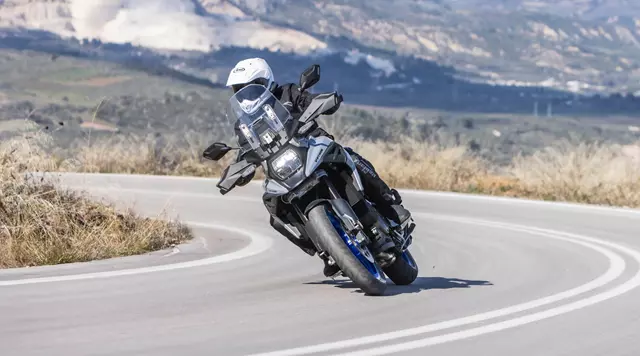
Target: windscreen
261, 118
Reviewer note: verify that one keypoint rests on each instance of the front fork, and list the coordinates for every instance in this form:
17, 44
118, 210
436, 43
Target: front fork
380, 232
346, 214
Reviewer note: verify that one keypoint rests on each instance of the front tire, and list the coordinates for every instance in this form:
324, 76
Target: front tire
332, 237
404, 270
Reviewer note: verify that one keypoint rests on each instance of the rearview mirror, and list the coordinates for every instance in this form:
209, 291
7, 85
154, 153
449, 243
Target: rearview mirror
216, 151
310, 77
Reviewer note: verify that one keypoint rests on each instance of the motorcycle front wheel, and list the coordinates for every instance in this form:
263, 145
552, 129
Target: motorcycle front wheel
355, 261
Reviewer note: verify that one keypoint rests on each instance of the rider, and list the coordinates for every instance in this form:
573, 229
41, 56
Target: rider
388, 201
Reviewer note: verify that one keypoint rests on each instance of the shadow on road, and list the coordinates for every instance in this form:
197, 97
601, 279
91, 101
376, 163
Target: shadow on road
419, 285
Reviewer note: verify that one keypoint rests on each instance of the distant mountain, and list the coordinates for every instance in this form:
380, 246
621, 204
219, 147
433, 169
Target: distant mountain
584, 9
563, 44
576, 45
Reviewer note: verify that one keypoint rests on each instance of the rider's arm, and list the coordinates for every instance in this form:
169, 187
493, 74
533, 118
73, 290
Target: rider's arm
304, 98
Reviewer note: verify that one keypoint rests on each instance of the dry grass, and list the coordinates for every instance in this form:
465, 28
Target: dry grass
585, 173
41, 224
417, 165
141, 155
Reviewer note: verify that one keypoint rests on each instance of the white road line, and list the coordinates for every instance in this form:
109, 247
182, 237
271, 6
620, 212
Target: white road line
629, 285
174, 251
617, 266
610, 210
258, 244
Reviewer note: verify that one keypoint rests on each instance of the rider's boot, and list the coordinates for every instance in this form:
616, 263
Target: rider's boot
330, 270
392, 209
401, 214
390, 206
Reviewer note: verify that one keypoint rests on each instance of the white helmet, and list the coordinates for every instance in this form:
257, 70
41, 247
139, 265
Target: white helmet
251, 71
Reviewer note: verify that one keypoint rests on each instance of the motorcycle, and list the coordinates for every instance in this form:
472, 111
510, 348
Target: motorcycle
318, 179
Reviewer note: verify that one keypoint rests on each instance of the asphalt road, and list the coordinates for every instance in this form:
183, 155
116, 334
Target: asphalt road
498, 277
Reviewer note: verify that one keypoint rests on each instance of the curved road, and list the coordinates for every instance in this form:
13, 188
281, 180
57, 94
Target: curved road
498, 277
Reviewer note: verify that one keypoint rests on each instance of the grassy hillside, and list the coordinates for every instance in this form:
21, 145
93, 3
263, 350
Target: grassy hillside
81, 100
45, 78
43, 224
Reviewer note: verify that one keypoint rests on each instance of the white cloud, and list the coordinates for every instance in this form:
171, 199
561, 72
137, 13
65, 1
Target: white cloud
168, 24
385, 65
160, 24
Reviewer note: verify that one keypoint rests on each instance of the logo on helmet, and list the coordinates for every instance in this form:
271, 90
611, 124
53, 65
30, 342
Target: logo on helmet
238, 70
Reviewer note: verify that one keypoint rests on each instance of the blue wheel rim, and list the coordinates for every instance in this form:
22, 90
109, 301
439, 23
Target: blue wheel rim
371, 267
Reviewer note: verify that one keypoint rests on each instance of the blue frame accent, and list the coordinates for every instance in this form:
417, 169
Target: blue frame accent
372, 268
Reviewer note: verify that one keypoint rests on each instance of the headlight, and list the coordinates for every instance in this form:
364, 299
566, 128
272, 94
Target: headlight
286, 164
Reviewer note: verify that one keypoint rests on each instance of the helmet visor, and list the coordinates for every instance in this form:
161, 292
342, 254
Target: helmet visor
261, 81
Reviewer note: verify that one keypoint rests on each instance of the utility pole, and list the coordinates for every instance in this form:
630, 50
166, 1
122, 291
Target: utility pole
535, 108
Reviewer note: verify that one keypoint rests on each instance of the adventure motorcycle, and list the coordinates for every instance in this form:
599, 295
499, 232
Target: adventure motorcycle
317, 177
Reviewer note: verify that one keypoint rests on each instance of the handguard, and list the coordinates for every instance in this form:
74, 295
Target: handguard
233, 173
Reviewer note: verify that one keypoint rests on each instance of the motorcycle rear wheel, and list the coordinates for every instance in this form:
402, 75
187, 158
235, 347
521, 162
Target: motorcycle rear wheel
404, 270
